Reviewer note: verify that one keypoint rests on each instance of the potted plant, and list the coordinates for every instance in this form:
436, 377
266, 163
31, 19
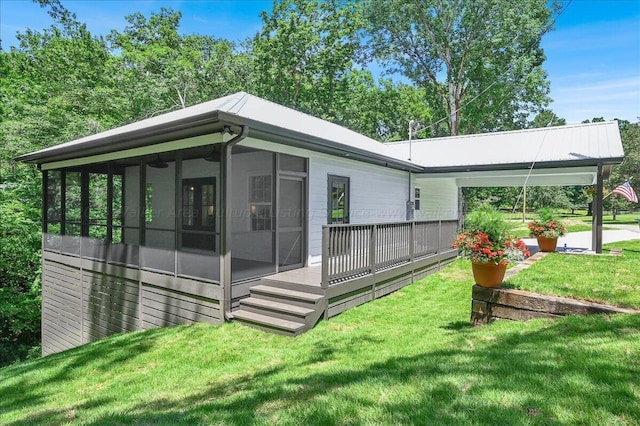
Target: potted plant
487, 242
547, 228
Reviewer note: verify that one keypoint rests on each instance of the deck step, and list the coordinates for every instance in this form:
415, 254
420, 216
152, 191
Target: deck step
276, 306
266, 322
305, 288
284, 293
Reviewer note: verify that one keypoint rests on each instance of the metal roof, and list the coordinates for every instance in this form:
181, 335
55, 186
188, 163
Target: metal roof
266, 120
573, 145
563, 146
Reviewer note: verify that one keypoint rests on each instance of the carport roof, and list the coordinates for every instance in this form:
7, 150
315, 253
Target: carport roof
551, 147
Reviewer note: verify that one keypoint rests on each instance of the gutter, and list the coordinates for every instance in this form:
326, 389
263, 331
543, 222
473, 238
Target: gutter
225, 234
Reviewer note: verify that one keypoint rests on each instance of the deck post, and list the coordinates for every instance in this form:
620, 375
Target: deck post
373, 243
412, 235
372, 249
325, 257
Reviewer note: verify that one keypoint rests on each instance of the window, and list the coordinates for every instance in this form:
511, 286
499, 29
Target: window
416, 198
338, 200
199, 213
260, 202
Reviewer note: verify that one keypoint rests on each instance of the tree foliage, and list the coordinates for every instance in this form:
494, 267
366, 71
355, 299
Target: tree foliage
480, 60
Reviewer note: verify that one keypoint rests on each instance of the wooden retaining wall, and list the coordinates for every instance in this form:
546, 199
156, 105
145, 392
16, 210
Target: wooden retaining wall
490, 303
85, 300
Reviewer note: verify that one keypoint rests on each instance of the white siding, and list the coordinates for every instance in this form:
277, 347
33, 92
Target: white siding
378, 194
438, 199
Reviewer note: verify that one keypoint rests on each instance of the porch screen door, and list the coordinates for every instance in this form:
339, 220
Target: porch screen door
291, 201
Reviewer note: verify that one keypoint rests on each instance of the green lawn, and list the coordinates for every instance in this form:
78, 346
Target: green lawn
520, 229
578, 216
409, 358
607, 279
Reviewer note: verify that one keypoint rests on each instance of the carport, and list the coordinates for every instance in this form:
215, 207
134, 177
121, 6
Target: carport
581, 154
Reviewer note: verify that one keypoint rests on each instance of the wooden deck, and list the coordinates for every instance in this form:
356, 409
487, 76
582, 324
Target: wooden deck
86, 299
310, 275
292, 302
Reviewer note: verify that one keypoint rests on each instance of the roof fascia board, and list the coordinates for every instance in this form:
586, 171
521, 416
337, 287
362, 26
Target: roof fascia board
187, 127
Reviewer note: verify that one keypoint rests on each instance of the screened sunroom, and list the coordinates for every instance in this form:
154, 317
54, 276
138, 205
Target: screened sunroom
163, 212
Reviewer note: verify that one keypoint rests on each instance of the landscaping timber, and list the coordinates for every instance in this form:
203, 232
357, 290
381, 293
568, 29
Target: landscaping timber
490, 303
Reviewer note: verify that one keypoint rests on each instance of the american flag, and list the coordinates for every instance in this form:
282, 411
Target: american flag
626, 191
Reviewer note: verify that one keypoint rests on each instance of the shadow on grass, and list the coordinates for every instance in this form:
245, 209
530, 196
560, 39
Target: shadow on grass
100, 356
516, 378
457, 325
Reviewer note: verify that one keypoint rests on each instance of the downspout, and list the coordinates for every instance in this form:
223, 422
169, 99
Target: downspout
410, 207
225, 258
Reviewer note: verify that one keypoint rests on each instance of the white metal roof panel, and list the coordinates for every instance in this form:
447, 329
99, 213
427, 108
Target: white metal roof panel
589, 141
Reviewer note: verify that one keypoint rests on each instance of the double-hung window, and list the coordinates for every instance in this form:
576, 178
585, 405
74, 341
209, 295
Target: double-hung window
260, 199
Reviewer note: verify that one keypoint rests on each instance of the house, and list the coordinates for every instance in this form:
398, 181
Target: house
243, 209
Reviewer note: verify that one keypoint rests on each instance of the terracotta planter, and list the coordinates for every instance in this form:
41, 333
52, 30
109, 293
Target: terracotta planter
547, 244
488, 274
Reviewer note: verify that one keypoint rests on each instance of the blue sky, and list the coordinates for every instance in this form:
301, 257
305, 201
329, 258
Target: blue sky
593, 56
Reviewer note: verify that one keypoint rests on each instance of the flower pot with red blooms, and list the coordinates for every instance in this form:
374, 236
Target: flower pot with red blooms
486, 241
547, 228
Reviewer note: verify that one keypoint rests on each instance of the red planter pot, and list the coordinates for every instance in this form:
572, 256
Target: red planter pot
547, 244
488, 274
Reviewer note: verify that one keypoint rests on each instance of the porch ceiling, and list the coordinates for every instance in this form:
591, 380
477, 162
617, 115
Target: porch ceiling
562, 176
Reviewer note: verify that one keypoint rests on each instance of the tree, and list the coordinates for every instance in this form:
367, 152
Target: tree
479, 60
546, 118
161, 69
630, 166
305, 52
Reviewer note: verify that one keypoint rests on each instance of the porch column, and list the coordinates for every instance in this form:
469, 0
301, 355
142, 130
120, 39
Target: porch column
225, 234
596, 229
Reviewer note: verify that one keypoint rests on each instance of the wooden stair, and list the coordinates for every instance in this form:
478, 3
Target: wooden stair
280, 307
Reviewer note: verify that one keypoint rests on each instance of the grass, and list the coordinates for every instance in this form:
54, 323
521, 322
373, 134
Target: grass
579, 216
605, 279
409, 358
520, 229
574, 222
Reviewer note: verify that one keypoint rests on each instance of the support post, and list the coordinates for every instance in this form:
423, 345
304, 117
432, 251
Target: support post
109, 206
225, 232
84, 203
325, 257
142, 203
596, 231
45, 203
372, 249
178, 212
524, 203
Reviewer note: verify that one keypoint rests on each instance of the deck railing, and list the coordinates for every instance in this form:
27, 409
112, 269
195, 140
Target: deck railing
352, 251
